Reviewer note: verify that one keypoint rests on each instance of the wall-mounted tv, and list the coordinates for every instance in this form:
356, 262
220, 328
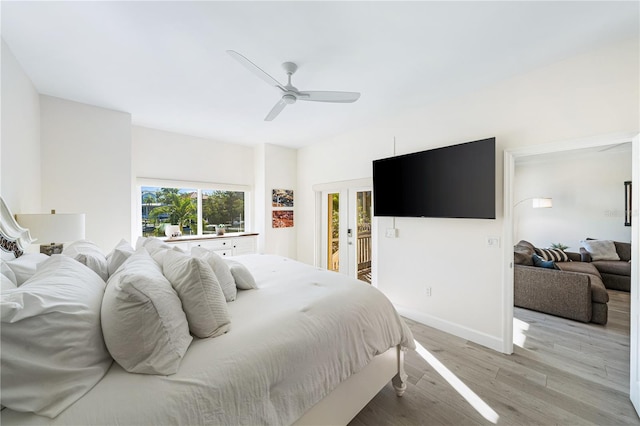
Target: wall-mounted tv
455, 181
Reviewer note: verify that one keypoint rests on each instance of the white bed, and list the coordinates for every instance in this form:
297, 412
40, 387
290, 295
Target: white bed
308, 347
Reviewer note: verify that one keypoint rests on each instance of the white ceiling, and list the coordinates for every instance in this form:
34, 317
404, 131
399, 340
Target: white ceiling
165, 62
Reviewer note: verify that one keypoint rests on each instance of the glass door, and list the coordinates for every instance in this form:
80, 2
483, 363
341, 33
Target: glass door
362, 229
347, 232
333, 231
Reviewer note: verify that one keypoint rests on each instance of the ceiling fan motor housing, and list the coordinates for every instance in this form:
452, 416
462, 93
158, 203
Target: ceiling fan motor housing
289, 99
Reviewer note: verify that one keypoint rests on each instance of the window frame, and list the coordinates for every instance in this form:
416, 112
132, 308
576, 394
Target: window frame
199, 187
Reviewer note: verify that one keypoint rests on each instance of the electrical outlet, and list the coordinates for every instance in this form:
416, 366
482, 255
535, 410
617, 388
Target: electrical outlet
427, 291
391, 233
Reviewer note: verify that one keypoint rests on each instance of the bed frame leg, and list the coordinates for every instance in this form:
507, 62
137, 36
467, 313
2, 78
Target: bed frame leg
399, 381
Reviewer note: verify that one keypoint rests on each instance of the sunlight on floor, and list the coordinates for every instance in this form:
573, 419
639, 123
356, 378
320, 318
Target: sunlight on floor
471, 397
519, 327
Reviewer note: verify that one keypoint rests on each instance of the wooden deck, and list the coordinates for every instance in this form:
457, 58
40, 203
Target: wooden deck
566, 373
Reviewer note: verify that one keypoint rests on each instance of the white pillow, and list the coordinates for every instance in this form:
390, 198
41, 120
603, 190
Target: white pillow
202, 298
152, 244
25, 266
52, 346
118, 256
220, 268
601, 249
143, 323
90, 255
159, 254
243, 278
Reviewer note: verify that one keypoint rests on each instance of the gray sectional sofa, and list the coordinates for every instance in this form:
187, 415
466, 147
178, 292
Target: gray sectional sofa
616, 274
571, 290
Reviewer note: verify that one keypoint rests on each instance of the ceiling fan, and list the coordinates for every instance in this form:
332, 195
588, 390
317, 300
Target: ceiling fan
291, 94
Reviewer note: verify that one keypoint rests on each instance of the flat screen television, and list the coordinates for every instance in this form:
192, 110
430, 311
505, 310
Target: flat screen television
455, 181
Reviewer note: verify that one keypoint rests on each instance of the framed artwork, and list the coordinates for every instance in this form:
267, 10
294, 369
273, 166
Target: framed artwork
282, 219
627, 203
282, 198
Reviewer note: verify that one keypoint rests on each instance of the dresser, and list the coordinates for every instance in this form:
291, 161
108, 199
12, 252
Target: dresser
224, 245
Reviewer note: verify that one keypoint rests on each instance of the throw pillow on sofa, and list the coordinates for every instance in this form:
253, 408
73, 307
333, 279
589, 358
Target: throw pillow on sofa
541, 263
556, 255
600, 249
523, 252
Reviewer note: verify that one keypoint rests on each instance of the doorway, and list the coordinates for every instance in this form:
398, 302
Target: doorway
510, 157
346, 231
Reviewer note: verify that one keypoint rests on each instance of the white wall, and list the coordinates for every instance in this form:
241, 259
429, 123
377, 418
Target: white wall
20, 150
278, 170
592, 94
171, 156
86, 167
588, 198
167, 155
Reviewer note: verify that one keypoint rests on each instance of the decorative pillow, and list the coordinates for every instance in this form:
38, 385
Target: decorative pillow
25, 266
522, 253
143, 323
90, 255
220, 268
118, 256
241, 275
556, 255
151, 244
600, 249
52, 346
202, 298
541, 263
159, 254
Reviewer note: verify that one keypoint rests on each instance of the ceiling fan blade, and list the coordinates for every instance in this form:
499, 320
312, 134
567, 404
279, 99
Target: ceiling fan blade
340, 97
255, 69
277, 108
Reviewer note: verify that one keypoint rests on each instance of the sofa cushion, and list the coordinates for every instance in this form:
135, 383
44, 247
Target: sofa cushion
615, 267
598, 291
582, 267
623, 250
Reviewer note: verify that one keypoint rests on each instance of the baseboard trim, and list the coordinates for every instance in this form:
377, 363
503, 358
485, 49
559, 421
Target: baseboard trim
491, 342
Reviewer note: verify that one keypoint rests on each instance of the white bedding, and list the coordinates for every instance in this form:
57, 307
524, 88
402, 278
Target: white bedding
291, 342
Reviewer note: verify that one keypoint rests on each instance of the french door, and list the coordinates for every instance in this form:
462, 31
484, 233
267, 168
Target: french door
346, 231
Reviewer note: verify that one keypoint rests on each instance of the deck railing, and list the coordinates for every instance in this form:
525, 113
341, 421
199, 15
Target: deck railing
363, 251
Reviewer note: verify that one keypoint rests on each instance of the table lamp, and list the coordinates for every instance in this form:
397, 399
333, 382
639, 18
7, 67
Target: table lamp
51, 230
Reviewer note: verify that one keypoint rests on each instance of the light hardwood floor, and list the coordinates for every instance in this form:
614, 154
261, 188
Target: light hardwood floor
566, 373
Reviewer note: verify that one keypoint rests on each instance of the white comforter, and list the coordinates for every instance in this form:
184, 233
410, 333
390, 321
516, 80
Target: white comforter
291, 342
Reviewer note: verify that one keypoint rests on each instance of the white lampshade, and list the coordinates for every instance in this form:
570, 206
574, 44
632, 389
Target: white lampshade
542, 203
53, 228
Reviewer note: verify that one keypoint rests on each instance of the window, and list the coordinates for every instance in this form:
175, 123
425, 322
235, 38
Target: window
222, 207
197, 211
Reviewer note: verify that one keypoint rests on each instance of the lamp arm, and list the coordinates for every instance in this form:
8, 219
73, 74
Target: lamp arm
523, 200
538, 202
